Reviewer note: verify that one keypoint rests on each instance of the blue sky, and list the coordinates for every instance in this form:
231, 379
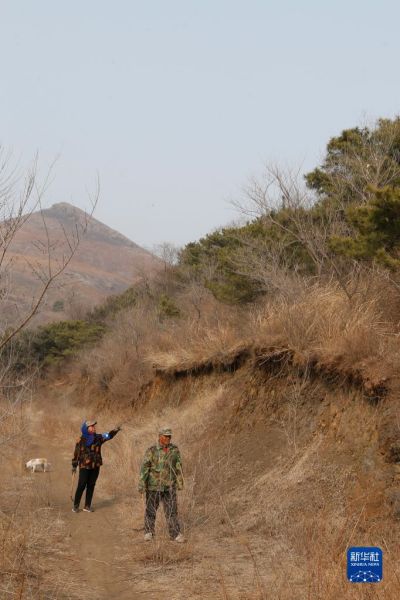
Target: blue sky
177, 103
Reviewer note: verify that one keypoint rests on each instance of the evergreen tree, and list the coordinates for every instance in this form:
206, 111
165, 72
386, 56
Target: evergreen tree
377, 229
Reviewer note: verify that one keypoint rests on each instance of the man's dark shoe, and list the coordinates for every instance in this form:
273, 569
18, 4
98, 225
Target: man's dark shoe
75, 509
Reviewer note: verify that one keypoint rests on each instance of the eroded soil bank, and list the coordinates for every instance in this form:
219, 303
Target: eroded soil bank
280, 466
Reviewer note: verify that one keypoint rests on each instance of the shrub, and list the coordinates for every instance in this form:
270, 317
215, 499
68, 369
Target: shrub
52, 343
114, 304
58, 306
167, 307
377, 230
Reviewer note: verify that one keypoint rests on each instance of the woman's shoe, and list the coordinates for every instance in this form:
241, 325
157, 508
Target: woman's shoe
88, 509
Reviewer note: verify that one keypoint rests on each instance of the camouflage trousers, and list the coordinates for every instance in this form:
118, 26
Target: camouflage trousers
170, 505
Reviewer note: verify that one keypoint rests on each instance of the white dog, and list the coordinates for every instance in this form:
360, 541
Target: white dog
38, 464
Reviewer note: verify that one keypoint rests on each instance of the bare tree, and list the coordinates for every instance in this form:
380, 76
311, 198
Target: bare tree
266, 264
20, 196
76, 307
195, 295
168, 253
280, 200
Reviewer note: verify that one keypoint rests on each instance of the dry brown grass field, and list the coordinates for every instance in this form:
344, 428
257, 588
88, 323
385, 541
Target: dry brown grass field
287, 418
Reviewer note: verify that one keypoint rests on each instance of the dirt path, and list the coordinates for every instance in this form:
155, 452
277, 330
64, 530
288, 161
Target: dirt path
93, 538
108, 555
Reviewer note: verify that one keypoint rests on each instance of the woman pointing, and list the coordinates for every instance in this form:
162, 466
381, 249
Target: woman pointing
88, 456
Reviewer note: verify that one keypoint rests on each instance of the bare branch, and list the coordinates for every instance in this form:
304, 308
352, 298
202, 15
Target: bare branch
18, 207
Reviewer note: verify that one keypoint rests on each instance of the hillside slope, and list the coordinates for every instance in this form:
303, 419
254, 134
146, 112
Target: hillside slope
282, 462
273, 354
105, 263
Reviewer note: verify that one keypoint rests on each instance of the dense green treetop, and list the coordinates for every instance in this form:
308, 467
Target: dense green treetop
377, 230
357, 159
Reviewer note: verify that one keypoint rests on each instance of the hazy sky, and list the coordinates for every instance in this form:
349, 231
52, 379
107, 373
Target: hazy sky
177, 102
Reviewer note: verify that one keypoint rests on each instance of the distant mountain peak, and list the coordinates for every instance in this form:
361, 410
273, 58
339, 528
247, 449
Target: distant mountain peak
106, 262
64, 211
64, 206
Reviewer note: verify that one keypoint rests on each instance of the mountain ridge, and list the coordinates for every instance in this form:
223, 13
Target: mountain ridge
65, 210
105, 263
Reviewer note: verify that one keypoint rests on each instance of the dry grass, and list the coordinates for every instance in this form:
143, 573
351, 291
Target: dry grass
34, 563
319, 325
322, 321
159, 552
33, 552
122, 362
115, 365
276, 466
259, 529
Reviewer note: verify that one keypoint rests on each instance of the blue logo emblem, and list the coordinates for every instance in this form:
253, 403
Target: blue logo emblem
364, 564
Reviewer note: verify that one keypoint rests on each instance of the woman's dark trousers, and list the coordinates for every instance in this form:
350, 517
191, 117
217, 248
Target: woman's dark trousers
169, 501
87, 479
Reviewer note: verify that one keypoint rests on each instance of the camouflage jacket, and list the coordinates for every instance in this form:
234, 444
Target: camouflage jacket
89, 457
161, 469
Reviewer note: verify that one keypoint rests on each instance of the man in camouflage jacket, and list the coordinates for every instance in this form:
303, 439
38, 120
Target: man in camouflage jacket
160, 477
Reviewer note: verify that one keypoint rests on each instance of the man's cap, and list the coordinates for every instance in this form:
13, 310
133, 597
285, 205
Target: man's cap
90, 423
165, 431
